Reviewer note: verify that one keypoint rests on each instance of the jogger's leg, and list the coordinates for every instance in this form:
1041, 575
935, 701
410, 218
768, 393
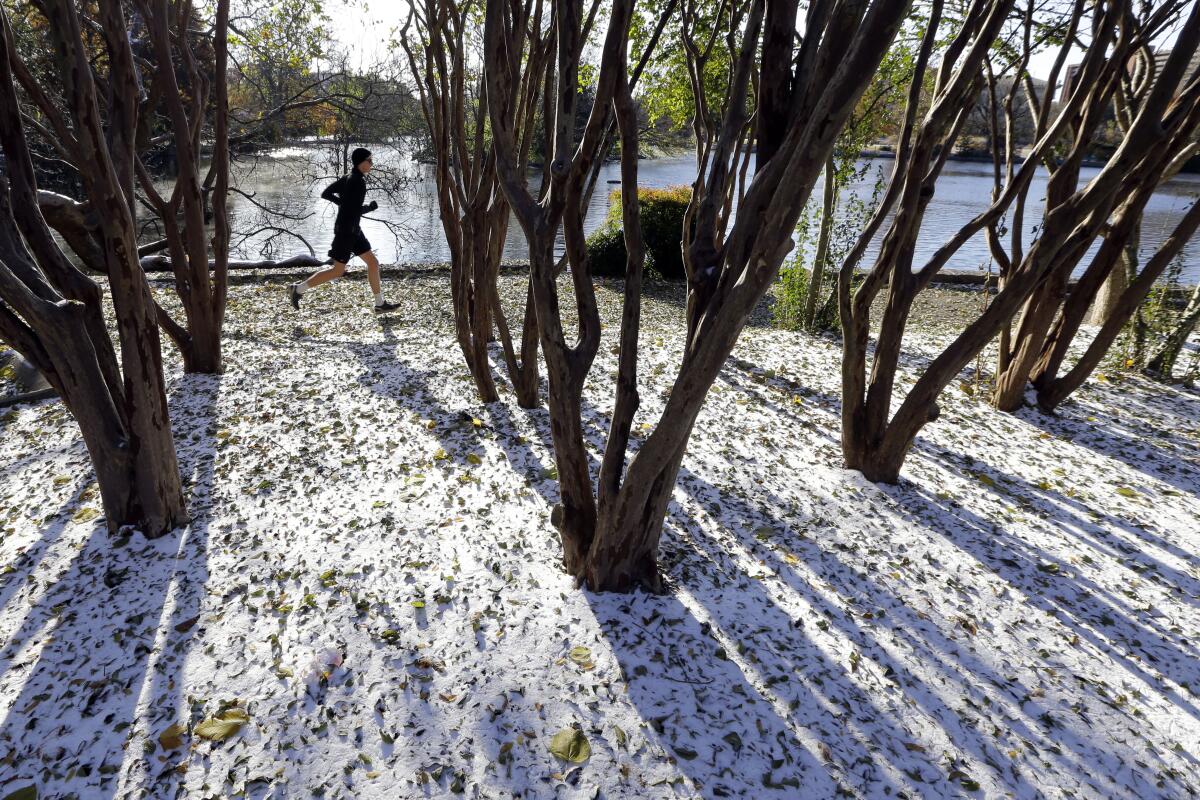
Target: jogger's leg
337, 270
297, 290
376, 287
372, 272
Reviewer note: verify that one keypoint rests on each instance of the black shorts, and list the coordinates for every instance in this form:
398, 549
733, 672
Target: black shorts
350, 243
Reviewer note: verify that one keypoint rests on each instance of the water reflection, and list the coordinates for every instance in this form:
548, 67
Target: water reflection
286, 181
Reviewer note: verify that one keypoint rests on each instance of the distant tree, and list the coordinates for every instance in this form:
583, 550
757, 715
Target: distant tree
1161, 363
274, 47
50, 311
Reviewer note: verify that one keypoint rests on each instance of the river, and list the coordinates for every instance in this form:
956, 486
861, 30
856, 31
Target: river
289, 179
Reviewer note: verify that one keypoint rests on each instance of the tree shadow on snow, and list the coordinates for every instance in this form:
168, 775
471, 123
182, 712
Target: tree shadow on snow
104, 643
1127, 439
888, 635
1063, 591
20, 571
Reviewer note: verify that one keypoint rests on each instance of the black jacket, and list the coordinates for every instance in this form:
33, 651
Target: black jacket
348, 194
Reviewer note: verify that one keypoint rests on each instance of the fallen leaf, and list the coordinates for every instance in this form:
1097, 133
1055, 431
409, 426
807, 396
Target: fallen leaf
570, 744
218, 729
172, 737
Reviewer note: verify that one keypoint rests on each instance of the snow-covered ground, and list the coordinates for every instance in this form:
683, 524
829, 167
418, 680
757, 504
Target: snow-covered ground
371, 577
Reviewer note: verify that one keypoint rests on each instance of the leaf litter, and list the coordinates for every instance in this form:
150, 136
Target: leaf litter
368, 601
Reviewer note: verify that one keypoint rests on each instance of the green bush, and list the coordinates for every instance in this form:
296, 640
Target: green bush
662, 212
606, 252
791, 293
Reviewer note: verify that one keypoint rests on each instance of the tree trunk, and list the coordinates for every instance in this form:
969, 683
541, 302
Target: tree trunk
575, 517
472, 322
1162, 363
1106, 301
1052, 393
828, 202
1124, 224
625, 553
1040, 309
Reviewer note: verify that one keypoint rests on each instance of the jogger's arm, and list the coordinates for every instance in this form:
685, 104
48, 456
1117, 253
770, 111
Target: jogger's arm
333, 192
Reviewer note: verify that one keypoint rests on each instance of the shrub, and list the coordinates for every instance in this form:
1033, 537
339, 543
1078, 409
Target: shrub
662, 212
791, 292
606, 252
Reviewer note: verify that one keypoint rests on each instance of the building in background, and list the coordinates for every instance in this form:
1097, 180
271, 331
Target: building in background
1160, 59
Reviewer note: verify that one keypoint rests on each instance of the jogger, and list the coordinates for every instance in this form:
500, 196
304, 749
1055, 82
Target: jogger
348, 194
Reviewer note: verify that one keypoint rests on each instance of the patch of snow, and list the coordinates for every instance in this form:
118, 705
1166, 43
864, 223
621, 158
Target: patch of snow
372, 577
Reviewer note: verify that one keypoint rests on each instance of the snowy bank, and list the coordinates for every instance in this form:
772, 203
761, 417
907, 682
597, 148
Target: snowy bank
368, 602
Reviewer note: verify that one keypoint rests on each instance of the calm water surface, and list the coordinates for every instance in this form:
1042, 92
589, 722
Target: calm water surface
963, 190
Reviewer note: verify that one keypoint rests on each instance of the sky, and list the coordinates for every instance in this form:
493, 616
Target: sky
364, 28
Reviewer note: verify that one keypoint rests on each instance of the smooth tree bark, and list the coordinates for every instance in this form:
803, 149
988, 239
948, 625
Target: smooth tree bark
50, 311
439, 41
875, 440
611, 533
1077, 216
181, 89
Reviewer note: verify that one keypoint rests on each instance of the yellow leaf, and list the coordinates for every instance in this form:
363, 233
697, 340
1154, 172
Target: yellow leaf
85, 514
172, 737
582, 656
218, 729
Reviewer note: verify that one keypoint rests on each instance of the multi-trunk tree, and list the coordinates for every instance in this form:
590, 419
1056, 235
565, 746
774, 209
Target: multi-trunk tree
804, 94
181, 60
50, 311
1119, 299
875, 440
190, 88
440, 38
1160, 130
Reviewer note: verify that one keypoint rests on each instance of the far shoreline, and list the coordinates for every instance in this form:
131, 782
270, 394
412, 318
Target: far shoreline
949, 278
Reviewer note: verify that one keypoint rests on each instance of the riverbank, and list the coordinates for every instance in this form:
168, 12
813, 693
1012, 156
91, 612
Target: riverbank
965, 280
948, 305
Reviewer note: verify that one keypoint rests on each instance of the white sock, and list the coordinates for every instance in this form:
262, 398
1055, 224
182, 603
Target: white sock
302, 287
379, 298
